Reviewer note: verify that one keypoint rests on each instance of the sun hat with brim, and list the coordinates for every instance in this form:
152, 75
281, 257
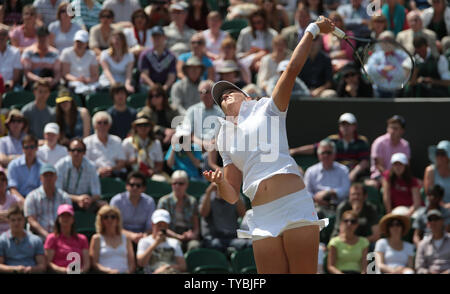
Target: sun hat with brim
193, 61
141, 119
220, 87
65, 208
63, 99
14, 113
227, 66
391, 216
443, 145
434, 212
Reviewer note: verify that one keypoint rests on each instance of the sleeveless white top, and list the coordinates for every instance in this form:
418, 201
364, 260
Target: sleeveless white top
114, 258
258, 144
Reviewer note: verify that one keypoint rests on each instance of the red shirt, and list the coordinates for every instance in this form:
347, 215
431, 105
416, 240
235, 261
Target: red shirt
63, 246
401, 192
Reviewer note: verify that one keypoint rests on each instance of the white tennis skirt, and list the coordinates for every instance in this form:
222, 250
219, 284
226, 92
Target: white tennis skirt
288, 212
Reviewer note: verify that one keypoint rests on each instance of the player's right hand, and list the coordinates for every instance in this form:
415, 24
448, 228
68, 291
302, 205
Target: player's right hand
214, 176
325, 24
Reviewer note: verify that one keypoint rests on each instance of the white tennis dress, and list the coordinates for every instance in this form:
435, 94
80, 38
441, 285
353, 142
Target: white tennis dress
258, 147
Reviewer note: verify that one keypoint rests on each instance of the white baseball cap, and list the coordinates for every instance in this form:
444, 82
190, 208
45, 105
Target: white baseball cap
399, 157
347, 117
160, 215
51, 128
81, 36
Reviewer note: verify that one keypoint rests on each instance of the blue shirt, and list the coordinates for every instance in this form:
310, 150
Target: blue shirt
22, 253
10, 145
205, 60
183, 162
21, 177
77, 182
318, 179
138, 218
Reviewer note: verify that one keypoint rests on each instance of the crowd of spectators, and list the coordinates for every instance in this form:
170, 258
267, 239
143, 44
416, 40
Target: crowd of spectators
53, 159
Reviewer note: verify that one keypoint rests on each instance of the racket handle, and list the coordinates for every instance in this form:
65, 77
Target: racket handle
337, 32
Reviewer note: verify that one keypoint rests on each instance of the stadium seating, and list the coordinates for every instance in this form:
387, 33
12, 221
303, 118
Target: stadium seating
85, 222
234, 27
98, 99
376, 198
197, 188
243, 261
17, 99
137, 100
157, 189
111, 187
207, 261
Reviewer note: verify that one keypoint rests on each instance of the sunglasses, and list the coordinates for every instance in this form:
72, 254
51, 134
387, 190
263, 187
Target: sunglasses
79, 150
3, 179
111, 216
441, 153
135, 185
326, 152
106, 16
143, 125
103, 122
350, 221
26, 147
434, 219
16, 121
350, 75
395, 224
155, 95
179, 183
197, 43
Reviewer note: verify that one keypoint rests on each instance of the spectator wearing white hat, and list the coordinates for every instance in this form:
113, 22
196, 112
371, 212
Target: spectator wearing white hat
51, 151
300, 89
79, 65
400, 188
158, 253
177, 31
352, 149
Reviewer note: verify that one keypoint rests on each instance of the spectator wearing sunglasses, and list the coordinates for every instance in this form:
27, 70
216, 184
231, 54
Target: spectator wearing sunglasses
11, 145
110, 250
78, 177
434, 201
433, 253
352, 85
392, 254
23, 172
438, 172
41, 204
367, 213
327, 180
347, 251
136, 208
183, 209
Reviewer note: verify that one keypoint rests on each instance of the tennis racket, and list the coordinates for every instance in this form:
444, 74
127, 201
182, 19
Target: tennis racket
385, 63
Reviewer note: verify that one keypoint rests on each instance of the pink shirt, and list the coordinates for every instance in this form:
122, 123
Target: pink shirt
10, 201
63, 246
17, 33
382, 148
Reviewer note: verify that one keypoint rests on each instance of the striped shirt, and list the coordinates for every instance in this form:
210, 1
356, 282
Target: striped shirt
350, 153
33, 61
77, 182
47, 10
43, 208
85, 16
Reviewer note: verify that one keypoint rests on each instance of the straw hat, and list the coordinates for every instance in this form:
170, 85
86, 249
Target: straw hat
141, 118
391, 216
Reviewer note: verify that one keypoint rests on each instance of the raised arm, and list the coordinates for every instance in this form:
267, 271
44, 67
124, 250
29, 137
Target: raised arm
283, 89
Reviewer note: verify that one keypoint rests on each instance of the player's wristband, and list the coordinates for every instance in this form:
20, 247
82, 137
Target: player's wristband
314, 29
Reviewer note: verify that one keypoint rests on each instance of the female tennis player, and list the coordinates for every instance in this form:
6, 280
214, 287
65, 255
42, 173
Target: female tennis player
284, 225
